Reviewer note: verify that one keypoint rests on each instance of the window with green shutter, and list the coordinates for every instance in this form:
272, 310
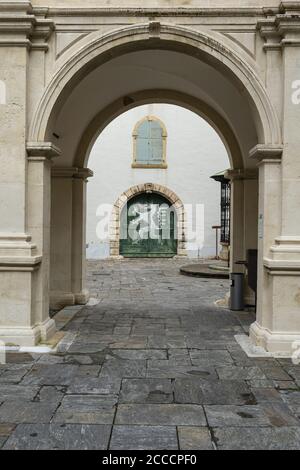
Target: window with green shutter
149, 144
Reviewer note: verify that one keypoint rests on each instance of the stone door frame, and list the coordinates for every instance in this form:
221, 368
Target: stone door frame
125, 197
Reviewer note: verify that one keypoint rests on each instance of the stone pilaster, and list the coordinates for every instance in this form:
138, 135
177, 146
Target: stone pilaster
38, 225
81, 294
278, 324
68, 210
273, 66
21, 255
243, 220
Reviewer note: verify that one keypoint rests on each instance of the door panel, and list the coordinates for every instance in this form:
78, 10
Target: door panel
148, 228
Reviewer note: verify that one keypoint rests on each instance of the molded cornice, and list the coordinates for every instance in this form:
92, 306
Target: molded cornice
42, 150
242, 174
266, 152
161, 12
71, 172
290, 7
284, 29
21, 27
21, 6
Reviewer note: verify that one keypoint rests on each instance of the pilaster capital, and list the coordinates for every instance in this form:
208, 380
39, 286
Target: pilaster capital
62, 172
71, 172
242, 174
43, 28
288, 23
268, 31
283, 29
289, 28
22, 26
42, 150
272, 153
84, 173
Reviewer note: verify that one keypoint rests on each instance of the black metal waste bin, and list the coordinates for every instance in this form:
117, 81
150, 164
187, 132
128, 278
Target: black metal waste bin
237, 291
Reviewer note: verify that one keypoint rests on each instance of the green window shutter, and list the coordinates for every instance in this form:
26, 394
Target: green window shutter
149, 143
156, 138
142, 150
156, 151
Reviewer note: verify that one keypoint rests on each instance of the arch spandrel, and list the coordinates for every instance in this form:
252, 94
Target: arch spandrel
102, 48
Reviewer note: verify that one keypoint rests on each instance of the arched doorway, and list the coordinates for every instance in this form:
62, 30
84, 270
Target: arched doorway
222, 70
145, 195
148, 227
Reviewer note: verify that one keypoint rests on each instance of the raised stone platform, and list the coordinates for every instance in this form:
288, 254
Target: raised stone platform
213, 271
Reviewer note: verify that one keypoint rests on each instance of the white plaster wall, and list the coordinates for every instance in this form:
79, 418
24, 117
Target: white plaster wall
194, 153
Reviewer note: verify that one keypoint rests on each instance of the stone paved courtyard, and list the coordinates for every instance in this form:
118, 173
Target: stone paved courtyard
154, 365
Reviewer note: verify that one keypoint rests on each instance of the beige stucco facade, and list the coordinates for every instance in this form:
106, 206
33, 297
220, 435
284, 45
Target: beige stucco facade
67, 70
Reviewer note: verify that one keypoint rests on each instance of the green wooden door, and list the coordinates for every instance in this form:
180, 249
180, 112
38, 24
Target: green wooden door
148, 228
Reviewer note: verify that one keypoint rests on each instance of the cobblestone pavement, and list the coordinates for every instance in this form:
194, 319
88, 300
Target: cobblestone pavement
153, 366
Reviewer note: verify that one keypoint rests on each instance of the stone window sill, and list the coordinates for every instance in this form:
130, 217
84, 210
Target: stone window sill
163, 166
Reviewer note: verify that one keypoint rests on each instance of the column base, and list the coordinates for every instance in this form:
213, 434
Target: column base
27, 336
59, 300
82, 298
285, 344
249, 297
23, 300
48, 329
224, 253
20, 336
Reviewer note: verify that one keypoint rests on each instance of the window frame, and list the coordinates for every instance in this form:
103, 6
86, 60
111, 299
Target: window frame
137, 164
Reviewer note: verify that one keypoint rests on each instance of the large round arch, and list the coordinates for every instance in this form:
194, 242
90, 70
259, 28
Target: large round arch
184, 100
134, 191
102, 76
97, 50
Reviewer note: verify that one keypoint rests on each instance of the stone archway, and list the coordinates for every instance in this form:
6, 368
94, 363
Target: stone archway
235, 90
97, 51
155, 35
146, 188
